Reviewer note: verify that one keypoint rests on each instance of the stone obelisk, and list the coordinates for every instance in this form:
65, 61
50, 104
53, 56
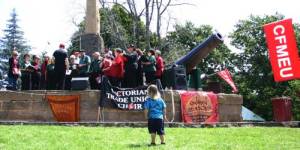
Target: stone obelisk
91, 40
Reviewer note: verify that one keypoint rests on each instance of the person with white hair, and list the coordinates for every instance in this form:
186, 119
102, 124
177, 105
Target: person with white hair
95, 71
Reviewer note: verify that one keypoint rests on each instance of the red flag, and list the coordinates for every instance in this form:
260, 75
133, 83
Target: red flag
225, 74
283, 50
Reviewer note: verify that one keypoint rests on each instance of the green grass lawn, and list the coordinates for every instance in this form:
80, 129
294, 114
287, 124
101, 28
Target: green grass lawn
64, 137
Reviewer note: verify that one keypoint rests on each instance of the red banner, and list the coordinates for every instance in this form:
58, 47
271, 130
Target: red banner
283, 50
225, 75
197, 107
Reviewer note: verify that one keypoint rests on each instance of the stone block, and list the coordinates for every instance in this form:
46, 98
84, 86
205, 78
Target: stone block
39, 106
230, 99
230, 109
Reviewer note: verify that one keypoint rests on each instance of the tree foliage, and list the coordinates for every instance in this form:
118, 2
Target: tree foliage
13, 37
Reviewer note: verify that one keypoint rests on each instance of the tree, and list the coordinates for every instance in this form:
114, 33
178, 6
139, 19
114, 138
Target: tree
149, 9
13, 37
136, 24
255, 78
160, 10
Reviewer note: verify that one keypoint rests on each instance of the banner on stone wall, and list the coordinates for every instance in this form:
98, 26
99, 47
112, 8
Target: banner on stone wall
122, 98
199, 107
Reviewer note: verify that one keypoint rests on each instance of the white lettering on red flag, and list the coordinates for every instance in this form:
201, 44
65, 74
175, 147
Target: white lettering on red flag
283, 50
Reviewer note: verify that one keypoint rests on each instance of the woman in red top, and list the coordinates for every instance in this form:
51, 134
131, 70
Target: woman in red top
159, 65
116, 73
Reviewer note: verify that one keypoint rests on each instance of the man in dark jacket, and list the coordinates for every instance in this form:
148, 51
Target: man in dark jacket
131, 66
60, 56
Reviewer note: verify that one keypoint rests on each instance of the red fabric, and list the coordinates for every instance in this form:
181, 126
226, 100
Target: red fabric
36, 66
283, 50
225, 75
44, 67
197, 107
106, 64
117, 67
159, 66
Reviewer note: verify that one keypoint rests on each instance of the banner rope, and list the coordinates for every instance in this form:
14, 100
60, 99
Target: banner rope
173, 106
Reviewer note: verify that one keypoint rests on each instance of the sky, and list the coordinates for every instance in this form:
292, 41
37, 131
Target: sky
46, 23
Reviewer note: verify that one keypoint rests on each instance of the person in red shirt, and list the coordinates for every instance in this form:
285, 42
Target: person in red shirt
106, 64
159, 65
116, 73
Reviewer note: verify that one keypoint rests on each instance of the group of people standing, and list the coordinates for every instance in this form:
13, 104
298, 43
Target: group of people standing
132, 68
127, 69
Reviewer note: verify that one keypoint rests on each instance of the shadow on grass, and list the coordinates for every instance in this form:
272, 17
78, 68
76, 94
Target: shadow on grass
142, 145
137, 145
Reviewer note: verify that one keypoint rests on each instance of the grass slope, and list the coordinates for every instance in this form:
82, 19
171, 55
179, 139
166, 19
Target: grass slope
73, 138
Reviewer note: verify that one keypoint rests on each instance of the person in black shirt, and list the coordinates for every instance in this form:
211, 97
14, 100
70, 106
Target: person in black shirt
131, 67
26, 73
60, 56
36, 74
50, 74
141, 57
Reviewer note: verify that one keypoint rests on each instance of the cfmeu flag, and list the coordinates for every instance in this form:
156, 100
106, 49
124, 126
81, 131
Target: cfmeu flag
225, 75
283, 50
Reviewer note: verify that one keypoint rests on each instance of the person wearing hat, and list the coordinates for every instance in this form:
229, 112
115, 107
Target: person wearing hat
149, 63
61, 57
26, 73
36, 74
159, 65
116, 72
84, 64
95, 71
14, 70
131, 66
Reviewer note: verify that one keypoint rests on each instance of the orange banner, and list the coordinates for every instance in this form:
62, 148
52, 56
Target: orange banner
65, 108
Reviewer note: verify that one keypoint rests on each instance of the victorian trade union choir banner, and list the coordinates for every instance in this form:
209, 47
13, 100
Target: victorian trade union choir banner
197, 107
283, 50
122, 98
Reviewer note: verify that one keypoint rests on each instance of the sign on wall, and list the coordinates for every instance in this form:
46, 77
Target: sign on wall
122, 98
199, 107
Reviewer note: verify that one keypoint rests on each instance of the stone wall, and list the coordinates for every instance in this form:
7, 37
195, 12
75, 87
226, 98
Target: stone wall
32, 106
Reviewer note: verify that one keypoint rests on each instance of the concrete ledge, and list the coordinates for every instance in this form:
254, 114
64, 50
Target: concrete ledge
32, 106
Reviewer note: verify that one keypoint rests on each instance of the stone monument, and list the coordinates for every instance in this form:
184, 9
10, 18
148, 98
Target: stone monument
91, 40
